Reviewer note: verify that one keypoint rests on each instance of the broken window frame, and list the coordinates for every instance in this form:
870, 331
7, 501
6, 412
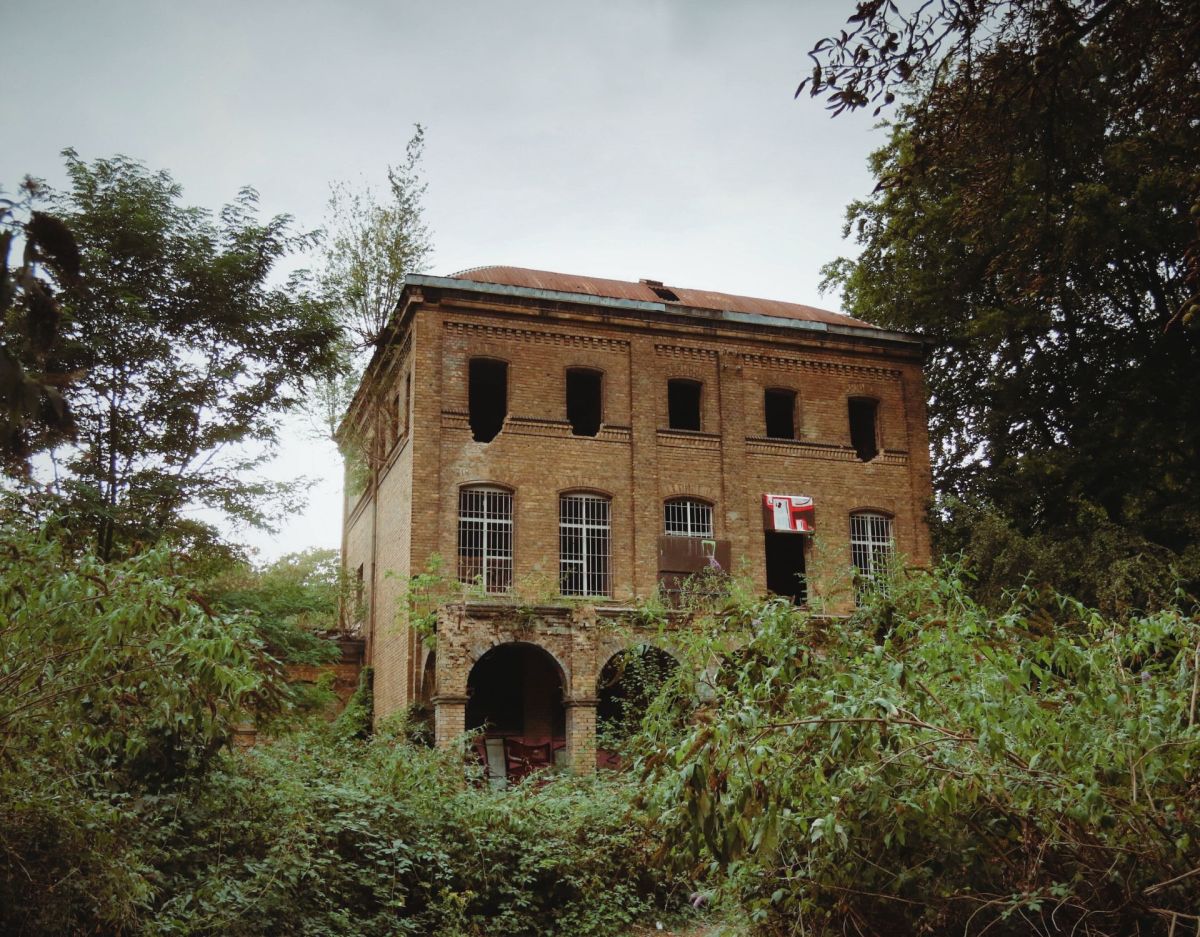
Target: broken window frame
480, 400
857, 426
779, 393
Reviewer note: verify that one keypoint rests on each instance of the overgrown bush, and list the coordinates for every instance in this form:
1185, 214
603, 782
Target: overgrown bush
320, 835
928, 767
117, 686
122, 810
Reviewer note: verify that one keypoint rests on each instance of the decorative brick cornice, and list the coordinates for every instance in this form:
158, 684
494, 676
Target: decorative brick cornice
684, 351
535, 426
830, 452
684, 439
537, 336
806, 364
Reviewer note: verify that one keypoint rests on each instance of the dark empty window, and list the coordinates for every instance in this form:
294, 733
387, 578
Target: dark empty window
863, 413
583, 401
780, 408
487, 394
785, 566
683, 404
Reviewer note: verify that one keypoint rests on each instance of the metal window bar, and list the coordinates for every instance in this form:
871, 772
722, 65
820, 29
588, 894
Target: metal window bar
871, 548
485, 544
687, 518
583, 544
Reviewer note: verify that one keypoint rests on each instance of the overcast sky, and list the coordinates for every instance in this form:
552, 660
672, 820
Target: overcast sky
619, 139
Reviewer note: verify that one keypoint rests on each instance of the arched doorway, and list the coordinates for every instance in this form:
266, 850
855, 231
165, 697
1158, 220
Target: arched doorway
515, 696
628, 683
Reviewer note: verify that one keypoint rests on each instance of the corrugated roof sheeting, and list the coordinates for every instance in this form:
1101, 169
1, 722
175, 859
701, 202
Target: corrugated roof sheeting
644, 292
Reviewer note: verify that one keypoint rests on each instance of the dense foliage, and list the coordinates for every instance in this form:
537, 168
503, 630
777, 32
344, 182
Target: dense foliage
1037, 221
116, 684
294, 601
122, 809
928, 767
318, 836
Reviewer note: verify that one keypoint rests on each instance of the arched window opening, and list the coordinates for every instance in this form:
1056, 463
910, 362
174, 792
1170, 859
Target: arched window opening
628, 683
584, 538
487, 397
584, 400
485, 537
864, 430
872, 548
687, 517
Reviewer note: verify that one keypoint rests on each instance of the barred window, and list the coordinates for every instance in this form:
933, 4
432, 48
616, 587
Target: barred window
871, 545
686, 517
583, 544
485, 541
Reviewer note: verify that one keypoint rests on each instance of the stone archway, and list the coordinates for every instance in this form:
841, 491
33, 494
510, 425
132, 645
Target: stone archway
515, 698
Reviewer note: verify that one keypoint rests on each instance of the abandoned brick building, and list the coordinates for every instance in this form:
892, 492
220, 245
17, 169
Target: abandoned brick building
592, 439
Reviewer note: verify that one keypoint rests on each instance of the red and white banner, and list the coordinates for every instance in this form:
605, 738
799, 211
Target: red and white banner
788, 513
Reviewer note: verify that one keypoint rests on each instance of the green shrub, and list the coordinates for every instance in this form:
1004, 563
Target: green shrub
319, 835
928, 767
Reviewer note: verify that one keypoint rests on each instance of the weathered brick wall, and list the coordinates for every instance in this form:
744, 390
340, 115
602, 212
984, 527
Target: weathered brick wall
635, 459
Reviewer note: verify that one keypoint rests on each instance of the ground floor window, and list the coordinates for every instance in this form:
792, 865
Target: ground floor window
785, 566
485, 541
584, 535
871, 548
686, 517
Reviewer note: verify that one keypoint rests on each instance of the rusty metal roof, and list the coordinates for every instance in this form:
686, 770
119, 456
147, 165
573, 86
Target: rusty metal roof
653, 291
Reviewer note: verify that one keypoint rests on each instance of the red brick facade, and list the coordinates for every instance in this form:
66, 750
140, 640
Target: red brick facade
415, 407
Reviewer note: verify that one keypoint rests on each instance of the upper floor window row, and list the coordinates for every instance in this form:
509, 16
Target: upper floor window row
487, 395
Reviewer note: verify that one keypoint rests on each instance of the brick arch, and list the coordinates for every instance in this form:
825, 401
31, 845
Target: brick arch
476, 652
605, 655
672, 491
485, 483
873, 509
578, 486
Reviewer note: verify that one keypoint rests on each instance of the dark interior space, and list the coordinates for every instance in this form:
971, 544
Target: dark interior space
785, 566
683, 404
516, 689
628, 683
780, 407
487, 394
863, 412
584, 388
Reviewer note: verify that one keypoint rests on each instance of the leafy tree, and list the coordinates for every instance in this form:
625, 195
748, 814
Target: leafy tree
195, 350
1032, 222
35, 362
372, 244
